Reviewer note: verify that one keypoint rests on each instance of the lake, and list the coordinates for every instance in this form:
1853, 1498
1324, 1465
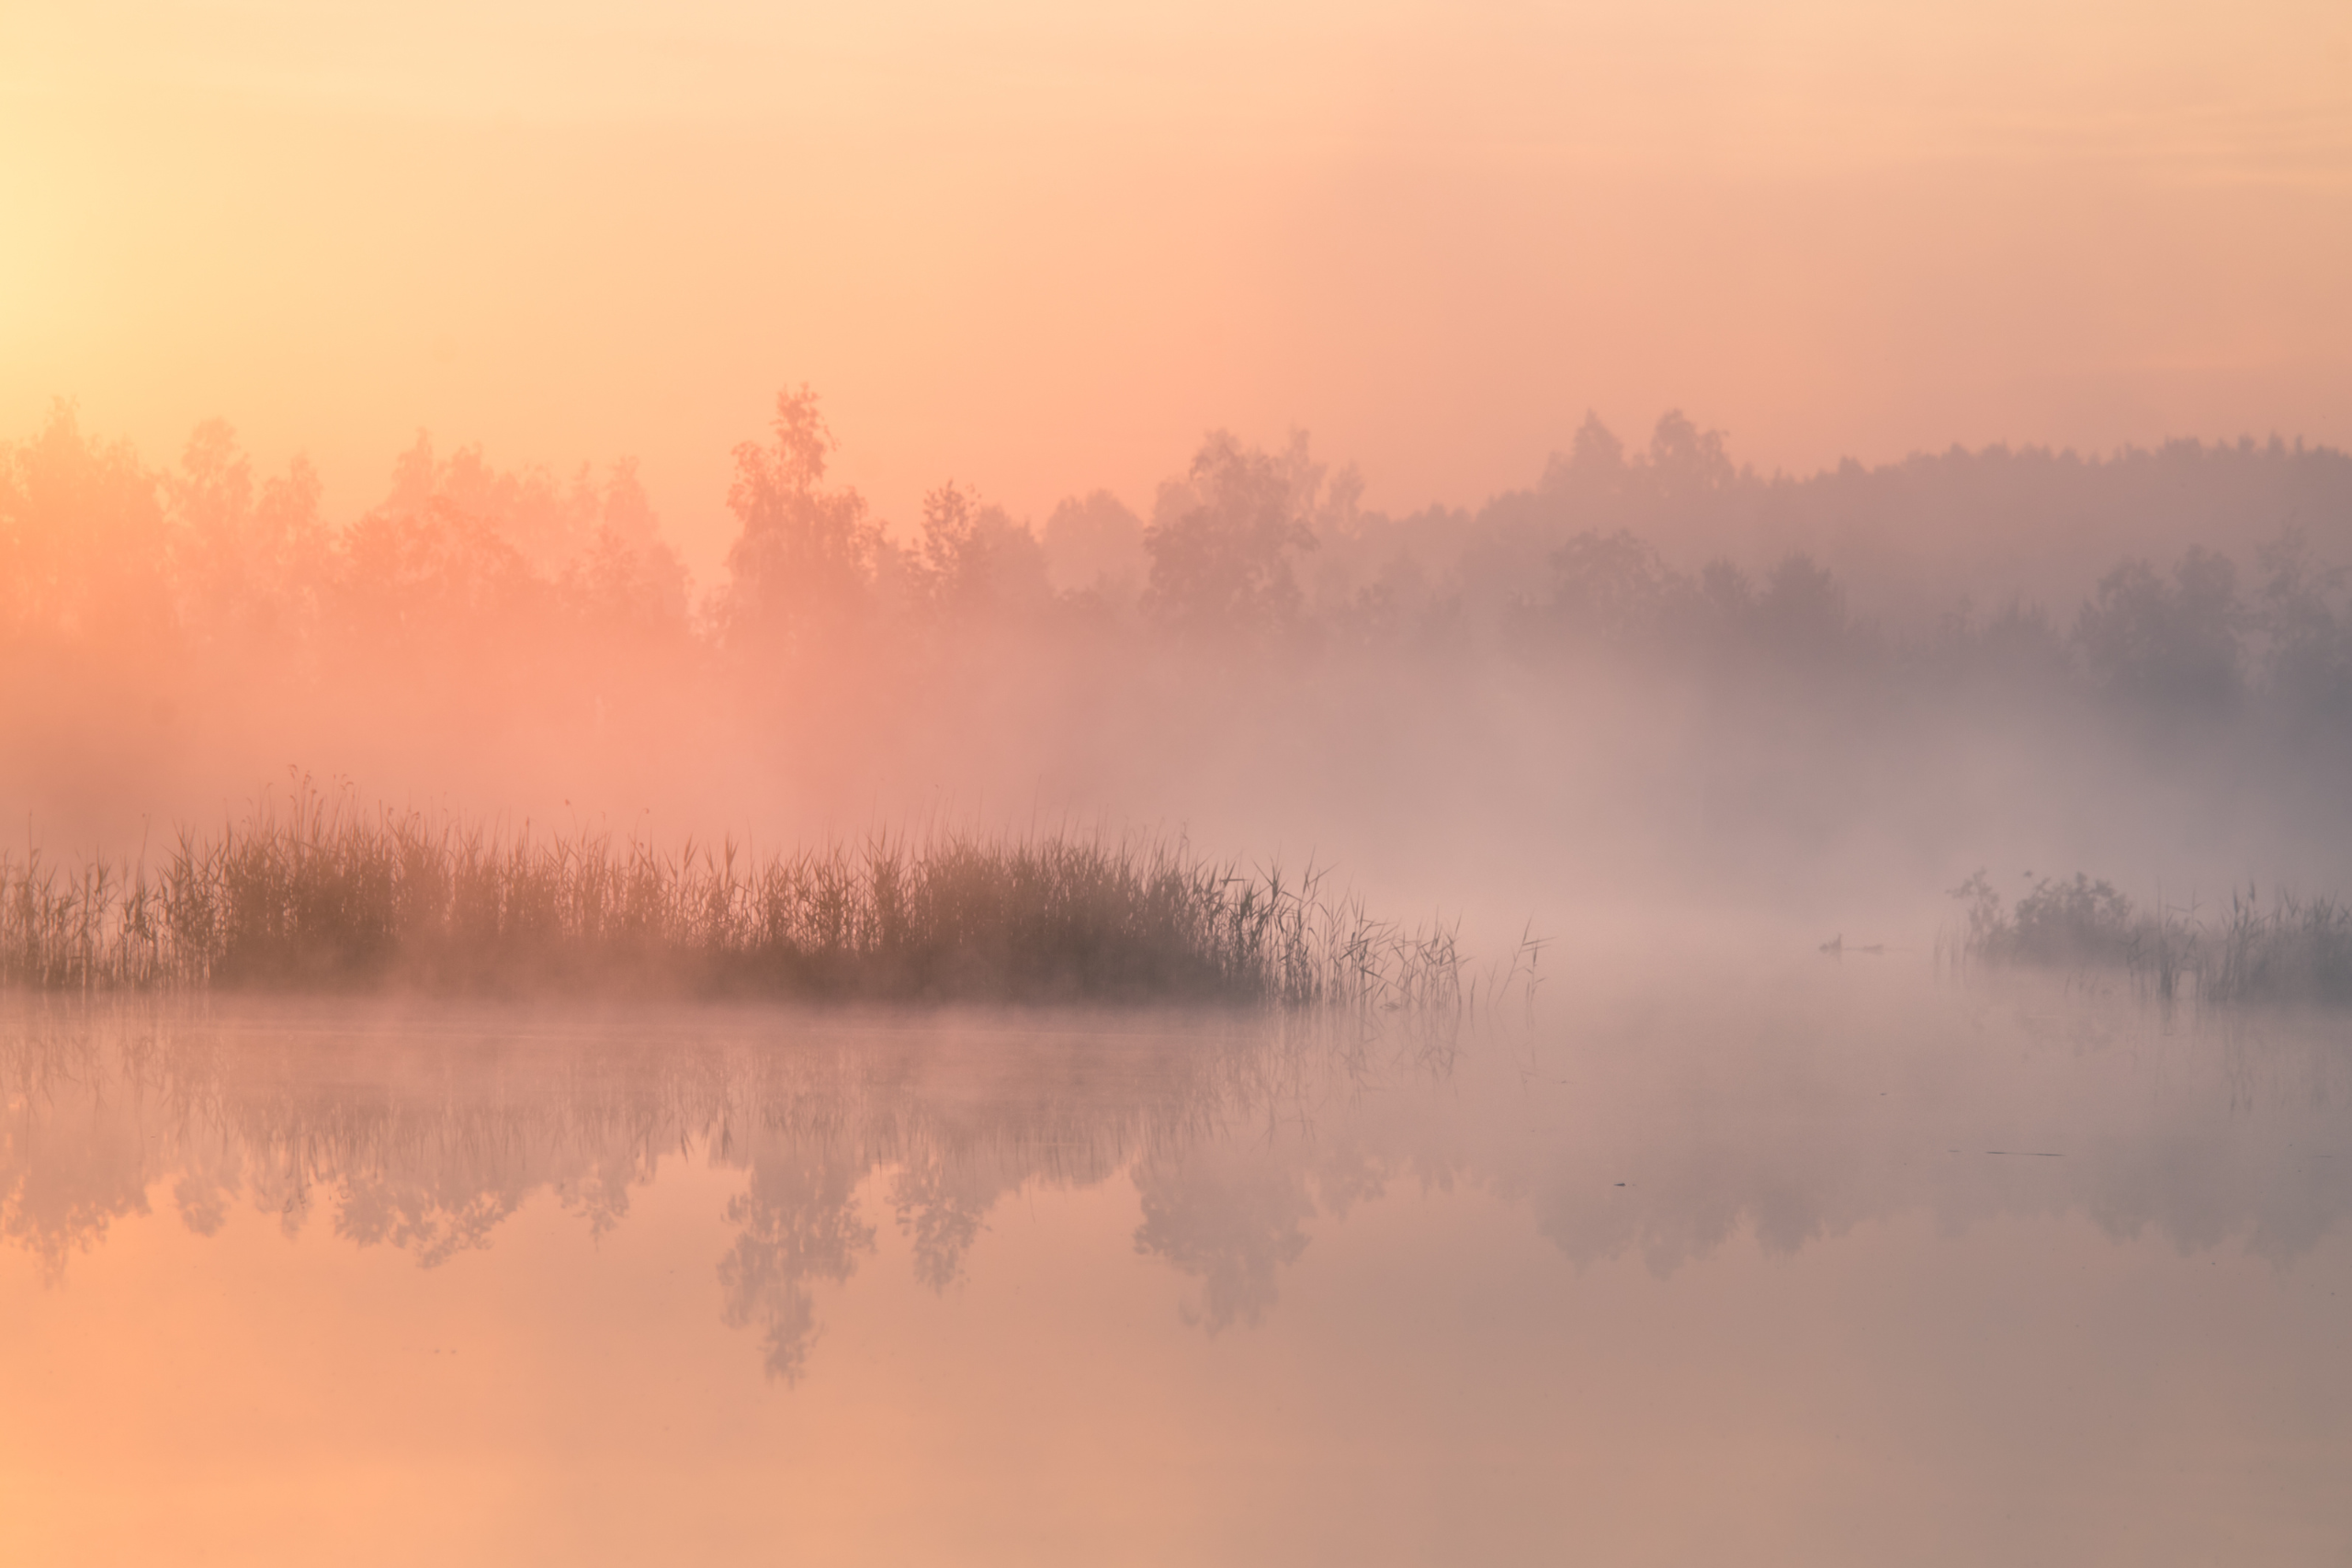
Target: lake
1813, 1261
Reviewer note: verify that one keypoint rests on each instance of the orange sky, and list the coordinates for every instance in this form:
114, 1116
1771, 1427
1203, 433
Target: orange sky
1040, 247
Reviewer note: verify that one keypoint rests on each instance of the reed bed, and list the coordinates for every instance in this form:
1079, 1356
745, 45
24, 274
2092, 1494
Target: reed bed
313, 895
2294, 948
2289, 950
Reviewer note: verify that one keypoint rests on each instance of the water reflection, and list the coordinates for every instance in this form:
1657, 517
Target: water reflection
424, 1130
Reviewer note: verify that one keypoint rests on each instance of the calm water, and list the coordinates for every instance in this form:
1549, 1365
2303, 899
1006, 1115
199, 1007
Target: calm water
1826, 1264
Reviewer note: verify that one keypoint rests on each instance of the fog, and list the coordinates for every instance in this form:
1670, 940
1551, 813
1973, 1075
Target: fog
1653, 693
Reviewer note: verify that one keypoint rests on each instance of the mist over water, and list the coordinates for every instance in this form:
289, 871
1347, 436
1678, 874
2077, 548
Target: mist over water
1652, 687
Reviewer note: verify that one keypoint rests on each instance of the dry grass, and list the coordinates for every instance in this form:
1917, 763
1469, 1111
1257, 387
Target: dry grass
311, 894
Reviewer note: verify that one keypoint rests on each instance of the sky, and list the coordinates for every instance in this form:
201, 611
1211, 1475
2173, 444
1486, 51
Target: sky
1038, 248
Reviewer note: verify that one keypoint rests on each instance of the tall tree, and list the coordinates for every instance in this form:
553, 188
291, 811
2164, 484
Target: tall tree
804, 564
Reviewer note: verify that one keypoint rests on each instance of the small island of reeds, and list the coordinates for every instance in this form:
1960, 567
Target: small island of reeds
2282, 950
311, 894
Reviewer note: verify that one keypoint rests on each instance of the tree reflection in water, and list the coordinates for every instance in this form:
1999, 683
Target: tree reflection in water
1243, 1135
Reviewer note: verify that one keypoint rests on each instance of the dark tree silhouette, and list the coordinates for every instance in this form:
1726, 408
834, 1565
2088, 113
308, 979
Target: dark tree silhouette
975, 560
2175, 642
1222, 541
804, 565
85, 545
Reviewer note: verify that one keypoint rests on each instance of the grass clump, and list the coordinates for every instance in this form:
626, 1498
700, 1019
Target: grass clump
313, 895
2295, 948
2291, 950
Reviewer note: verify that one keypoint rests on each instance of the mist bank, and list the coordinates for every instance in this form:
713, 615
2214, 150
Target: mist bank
1651, 678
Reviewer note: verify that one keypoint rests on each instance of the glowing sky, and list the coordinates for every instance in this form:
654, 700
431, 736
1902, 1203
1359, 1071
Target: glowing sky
1041, 247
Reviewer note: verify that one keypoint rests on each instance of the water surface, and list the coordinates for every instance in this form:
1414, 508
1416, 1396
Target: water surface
1830, 1263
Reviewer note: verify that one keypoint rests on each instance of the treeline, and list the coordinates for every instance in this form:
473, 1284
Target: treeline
104, 556
2195, 638
2219, 579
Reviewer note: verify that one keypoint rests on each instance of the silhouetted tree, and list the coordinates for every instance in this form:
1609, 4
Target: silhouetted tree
1094, 542
249, 569
2176, 642
544, 523
1608, 591
83, 544
1593, 467
974, 560
1685, 462
804, 564
2308, 656
633, 592
1222, 541
2018, 649
430, 563
1800, 617
626, 579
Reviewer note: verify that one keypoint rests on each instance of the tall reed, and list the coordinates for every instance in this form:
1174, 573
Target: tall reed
312, 894
2295, 948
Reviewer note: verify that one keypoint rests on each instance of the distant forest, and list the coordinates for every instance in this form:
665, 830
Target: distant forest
1652, 667
2193, 576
